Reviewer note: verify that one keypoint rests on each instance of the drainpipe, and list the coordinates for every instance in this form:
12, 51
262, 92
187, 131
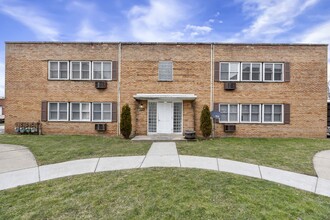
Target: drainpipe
212, 78
212, 86
118, 89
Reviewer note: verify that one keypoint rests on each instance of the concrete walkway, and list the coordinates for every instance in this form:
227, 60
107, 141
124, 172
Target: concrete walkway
163, 154
14, 157
321, 163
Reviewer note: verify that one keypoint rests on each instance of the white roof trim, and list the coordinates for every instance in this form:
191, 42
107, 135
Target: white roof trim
165, 96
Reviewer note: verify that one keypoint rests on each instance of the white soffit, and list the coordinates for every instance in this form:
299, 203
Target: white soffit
165, 96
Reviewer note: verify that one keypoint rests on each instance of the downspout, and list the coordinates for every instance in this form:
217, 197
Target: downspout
212, 78
118, 89
212, 87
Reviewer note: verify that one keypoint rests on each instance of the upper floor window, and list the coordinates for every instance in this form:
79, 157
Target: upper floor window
165, 71
58, 70
58, 111
251, 72
273, 72
102, 70
80, 70
229, 71
229, 112
80, 112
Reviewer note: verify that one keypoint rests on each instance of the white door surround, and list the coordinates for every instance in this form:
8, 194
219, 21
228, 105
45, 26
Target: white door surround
165, 117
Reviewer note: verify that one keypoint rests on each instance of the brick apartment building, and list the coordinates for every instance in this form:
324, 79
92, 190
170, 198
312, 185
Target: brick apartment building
265, 90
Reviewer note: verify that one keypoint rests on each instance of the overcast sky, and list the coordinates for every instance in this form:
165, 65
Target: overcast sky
263, 21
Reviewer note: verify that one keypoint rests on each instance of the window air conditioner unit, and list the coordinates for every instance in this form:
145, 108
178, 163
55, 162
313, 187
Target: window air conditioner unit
229, 128
101, 84
230, 85
101, 127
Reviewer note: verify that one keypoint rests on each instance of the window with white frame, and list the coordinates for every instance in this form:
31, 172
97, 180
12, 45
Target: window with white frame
102, 70
165, 71
250, 113
273, 72
272, 113
58, 70
229, 113
80, 111
102, 111
80, 70
251, 72
58, 111
229, 71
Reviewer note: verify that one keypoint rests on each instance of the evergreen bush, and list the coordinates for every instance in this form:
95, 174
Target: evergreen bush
126, 121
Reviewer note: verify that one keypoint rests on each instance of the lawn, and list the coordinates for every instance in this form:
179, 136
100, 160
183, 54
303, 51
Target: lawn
293, 154
161, 194
50, 149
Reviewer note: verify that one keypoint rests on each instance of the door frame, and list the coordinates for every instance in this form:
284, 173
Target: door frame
169, 124
157, 101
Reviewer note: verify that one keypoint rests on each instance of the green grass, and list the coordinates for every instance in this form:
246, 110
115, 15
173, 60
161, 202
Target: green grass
294, 154
161, 194
50, 149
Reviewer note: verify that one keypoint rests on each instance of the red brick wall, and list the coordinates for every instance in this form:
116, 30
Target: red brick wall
27, 84
191, 74
306, 92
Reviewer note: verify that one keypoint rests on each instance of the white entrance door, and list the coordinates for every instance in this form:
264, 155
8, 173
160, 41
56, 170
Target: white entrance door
165, 118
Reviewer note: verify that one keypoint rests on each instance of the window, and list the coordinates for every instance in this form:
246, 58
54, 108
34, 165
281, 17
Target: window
102, 111
102, 70
80, 112
229, 71
177, 122
251, 72
228, 112
273, 113
58, 70
80, 70
58, 111
165, 71
152, 116
273, 72
250, 113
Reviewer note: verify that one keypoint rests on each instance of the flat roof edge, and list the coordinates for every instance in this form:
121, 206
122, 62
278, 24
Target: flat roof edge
164, 43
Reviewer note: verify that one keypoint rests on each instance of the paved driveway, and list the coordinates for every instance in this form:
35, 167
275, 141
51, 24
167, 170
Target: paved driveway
14, 157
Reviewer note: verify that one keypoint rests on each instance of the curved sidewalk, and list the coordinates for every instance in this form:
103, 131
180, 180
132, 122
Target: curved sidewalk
163, 154
15, 157
321, 162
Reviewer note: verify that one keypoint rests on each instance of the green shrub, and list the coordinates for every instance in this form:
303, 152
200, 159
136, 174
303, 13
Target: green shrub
206, 122
126, 121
